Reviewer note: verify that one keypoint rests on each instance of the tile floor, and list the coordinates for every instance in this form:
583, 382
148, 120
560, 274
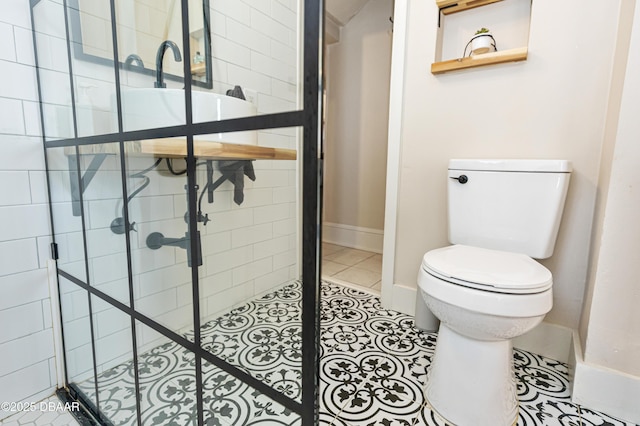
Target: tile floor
352, 267
374, 367
373, 370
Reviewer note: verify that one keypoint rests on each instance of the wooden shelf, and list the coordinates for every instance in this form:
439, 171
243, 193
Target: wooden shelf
199, 69
511, 55
452, 6
214, 150
177, 148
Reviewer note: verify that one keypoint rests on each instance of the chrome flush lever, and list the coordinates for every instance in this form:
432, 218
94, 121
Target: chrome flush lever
462, 178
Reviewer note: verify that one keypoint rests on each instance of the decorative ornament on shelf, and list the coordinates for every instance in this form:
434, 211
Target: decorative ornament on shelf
481, 42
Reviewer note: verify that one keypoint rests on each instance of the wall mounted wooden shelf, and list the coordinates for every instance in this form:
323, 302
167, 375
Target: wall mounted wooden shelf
177, 148
452, 6
511, 55
163, 148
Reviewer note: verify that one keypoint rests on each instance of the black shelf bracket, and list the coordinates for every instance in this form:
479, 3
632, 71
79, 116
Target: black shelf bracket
210, 187
80, 184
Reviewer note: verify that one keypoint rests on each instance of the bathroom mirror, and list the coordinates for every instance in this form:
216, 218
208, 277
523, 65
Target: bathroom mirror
142, 26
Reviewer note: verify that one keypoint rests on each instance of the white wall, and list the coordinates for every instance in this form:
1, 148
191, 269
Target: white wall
551, 106
357, 116
613, 338
607, 374
27, 362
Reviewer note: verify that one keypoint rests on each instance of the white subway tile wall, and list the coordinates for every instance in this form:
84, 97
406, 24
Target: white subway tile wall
27, 363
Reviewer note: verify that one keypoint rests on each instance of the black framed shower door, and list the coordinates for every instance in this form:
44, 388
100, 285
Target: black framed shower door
166, 278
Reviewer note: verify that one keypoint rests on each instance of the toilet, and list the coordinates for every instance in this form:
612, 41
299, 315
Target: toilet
486, 288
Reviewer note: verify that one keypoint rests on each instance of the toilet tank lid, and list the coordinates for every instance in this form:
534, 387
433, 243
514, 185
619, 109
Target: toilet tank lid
511, 165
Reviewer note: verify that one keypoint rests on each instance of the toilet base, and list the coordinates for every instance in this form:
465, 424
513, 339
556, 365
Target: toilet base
471, 382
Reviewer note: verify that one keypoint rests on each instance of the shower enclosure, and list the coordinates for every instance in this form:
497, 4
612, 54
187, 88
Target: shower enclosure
183, 151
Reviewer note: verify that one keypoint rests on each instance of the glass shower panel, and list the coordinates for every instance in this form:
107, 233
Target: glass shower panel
76, 328
228, 401
66, 210
160, 238
91, 45
180, 287
53, 69
250, 295
115, 380
256, 55
167, 380
104, 223
149, 35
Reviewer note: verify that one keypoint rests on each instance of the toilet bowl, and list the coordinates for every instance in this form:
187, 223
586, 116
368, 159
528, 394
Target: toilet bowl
483, 299
486, 288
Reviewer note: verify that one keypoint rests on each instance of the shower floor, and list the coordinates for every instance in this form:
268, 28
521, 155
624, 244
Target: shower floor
372, 372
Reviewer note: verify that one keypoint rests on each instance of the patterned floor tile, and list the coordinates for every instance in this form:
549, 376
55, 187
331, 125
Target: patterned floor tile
116, 386
262, 338
343, 376
548, 412
328, 420
385, 399
543, 391
345, 338
228, 402
430, 418
595, 418
373, 370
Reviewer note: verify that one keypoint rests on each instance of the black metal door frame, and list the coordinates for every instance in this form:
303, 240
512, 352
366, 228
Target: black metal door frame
309, 118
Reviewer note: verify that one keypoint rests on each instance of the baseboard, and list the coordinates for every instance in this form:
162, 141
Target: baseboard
603, 389
353, 236
549, 340
404, 299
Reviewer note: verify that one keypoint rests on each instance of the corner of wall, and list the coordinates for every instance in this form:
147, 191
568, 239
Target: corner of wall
394, 146
602, 389
619, 66
404, 299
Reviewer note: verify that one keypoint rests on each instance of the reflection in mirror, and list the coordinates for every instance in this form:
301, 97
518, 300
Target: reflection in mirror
143, 26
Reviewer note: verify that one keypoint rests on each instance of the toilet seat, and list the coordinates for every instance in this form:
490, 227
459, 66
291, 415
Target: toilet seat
487, 270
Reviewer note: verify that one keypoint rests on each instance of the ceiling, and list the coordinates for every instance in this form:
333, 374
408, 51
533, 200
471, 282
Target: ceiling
343, 10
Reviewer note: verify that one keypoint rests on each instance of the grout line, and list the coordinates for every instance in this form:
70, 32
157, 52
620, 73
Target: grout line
24, 127
579, 414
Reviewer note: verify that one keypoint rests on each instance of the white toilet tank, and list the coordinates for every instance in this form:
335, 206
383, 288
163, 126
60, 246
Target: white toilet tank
509, 205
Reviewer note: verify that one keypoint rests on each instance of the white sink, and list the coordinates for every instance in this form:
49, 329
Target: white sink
152, 108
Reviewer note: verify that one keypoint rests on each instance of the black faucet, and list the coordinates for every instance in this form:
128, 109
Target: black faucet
128, 63
160, 56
